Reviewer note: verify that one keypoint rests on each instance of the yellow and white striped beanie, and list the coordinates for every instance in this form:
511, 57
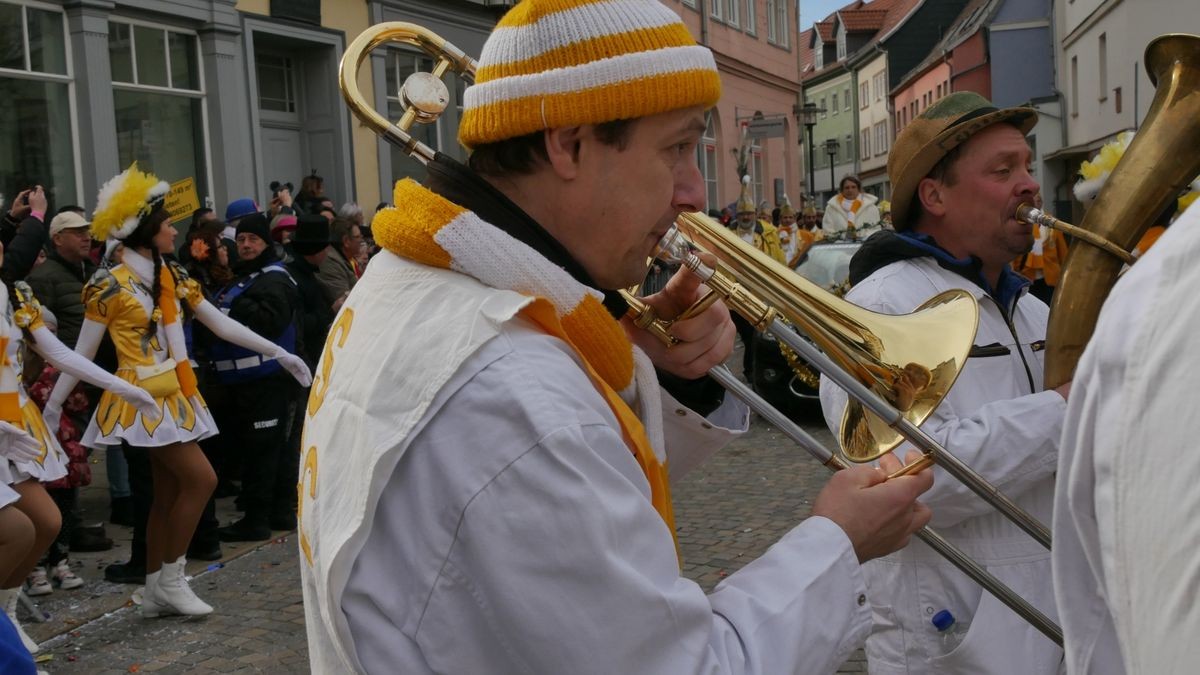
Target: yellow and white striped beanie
561, 63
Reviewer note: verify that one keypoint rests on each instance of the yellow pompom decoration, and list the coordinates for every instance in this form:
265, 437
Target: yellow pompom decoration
24, 317
1107, 160
1187, 200
123, 200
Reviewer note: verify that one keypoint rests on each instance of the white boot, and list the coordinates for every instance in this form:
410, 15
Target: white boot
151, 608
8, 599
170, 593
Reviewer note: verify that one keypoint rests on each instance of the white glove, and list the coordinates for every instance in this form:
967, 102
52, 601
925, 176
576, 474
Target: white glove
18, 445
52, 415
140, 399
297, 367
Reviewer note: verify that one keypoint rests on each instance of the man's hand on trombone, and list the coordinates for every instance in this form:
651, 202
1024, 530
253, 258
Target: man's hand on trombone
705, 339
877, 514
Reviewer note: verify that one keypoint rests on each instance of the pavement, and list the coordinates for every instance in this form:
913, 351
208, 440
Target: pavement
728, 512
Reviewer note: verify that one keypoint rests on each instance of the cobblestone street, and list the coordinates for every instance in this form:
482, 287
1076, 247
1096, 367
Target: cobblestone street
728, 512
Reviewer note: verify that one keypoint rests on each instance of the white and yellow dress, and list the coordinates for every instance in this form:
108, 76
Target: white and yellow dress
120, 300
15, 405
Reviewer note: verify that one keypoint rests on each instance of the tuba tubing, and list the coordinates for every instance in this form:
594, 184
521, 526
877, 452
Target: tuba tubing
1157, 165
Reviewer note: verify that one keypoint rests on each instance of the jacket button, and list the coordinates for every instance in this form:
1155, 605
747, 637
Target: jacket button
862, 599
705, 425
681, 412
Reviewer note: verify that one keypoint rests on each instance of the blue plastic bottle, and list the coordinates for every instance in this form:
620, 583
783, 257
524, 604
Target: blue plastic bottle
951, 631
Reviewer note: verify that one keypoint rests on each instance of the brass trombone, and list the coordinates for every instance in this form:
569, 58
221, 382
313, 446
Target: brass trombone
882, 351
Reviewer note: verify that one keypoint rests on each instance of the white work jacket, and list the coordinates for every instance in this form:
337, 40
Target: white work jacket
998, 421
511, 529
1125, 525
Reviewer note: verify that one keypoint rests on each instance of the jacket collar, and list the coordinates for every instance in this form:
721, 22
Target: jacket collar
79, 270
141, 266
886, 247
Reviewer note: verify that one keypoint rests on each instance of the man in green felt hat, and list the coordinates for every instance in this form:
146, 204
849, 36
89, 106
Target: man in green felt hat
959, 172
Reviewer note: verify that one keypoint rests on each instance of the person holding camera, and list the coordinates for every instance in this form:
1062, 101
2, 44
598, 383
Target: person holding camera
23, 233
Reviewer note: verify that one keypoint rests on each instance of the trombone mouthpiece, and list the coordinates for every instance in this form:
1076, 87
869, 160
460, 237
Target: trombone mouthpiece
1031, 214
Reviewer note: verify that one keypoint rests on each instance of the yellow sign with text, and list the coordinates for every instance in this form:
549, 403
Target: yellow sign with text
182, 200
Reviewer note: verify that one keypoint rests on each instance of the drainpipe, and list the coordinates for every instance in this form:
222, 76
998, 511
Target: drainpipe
703, 7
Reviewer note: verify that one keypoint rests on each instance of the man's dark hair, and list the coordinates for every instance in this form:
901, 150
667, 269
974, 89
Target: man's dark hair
339, 229
522, 154
197, 216
70, 208
849, 177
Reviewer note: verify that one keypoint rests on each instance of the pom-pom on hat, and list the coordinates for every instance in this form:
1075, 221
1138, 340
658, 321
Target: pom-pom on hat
564, 63
124, 200
745, 203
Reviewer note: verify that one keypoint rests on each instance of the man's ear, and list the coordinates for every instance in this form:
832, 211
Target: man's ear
929, 194
562, 150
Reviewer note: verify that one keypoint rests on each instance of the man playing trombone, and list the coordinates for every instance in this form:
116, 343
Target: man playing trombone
485, 484
959, 172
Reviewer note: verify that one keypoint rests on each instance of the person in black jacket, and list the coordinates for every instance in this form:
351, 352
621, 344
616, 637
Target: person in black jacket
23, 234
265, 298
308, 248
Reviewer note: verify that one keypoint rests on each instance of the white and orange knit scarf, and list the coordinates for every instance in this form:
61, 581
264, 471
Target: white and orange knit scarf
431, 230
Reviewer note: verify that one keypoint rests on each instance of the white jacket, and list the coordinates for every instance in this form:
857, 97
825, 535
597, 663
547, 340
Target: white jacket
509, 529
999, 422
837, 218
1125, 525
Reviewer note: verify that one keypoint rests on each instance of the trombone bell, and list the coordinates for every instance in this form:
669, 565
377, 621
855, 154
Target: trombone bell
897, 357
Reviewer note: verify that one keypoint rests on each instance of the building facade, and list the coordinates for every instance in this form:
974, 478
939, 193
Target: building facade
1102, 76
236, 94
755, 46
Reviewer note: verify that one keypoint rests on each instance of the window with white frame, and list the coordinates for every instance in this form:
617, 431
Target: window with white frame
731, 11
848, 147
880, 85
778, 28
881, 138
864, 94
690, 3
864, 144
36, 131
716, 9
756, 173
836, 108
401, 63
706, 158
824, 110
751, 21
841, 44
158, 96
846, 98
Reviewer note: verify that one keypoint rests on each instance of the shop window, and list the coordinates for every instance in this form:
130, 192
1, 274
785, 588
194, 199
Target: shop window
36, 134
158, 98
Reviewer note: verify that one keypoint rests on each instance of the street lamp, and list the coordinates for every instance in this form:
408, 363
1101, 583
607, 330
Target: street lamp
807, 115
831, 148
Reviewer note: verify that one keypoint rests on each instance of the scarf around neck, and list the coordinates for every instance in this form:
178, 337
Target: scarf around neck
432, 230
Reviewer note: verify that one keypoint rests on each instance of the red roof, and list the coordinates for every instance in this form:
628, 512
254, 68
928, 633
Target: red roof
825, 30
878, 17
863, 20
